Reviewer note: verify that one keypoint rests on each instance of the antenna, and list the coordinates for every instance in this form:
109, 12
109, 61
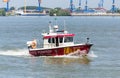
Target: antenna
50, 29
55, 21
64, 25
65, 31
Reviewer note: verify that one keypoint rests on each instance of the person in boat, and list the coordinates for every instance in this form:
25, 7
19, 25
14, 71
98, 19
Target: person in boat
32, 44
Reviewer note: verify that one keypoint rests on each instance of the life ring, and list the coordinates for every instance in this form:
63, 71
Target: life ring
34, 44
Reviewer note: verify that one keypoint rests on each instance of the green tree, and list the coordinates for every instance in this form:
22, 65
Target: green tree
12, 8
2, 12
52, 12
59, 12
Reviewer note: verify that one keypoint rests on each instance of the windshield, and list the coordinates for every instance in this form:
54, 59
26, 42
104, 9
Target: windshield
68, 39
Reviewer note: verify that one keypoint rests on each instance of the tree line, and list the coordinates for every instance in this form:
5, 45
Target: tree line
52, 12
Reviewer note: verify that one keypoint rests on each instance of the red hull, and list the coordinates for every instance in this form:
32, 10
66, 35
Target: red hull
61, 50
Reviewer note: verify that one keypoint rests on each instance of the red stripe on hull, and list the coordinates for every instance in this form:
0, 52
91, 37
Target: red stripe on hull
61, 50
59, 35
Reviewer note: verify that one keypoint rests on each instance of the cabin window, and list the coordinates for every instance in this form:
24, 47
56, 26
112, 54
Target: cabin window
68, 39
61, 40
51, 40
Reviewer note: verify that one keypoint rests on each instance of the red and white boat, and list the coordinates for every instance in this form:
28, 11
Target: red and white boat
58, 43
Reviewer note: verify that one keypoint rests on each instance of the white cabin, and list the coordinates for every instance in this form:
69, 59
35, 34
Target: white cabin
56, 38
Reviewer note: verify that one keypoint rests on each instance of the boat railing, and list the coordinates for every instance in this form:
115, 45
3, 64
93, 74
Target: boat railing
46, 45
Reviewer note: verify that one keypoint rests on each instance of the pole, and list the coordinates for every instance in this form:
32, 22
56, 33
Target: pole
79, 3
86, 7
25, 6
7, 9
39, 2
71, 5
102, 3
113, 6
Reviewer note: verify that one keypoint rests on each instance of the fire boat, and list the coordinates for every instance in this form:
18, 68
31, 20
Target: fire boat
58, 43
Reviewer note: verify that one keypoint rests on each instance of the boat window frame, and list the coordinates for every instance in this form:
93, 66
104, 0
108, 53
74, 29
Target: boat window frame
60, 39
51, 40
68, 39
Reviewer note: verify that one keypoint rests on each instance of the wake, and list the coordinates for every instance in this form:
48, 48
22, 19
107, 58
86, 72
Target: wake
25, 53
92, 54
20, 52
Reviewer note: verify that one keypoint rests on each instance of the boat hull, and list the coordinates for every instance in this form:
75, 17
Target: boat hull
57, 51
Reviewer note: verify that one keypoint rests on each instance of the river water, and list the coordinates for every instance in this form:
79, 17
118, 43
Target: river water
15, 61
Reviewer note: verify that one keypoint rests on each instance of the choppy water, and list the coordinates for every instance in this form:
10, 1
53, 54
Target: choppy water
15, 62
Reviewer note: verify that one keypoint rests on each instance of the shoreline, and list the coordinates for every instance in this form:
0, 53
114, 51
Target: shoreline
95, 14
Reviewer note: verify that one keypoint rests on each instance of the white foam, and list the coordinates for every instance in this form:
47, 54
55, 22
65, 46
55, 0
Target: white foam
20, 52
25, 52
64, 56
92, 54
